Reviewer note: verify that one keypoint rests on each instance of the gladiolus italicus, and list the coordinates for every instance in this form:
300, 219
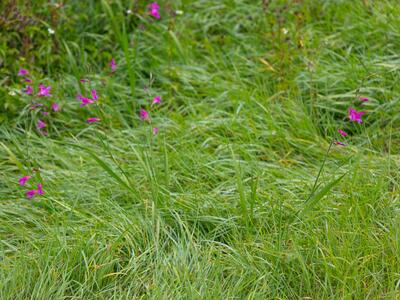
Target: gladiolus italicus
55, 106
23, 72
94, 95
144, 115
44, 91
342, 132
355, 115
154, 10
155, 130
93, 120
28, 90
41, 124
23, 180
157, 100
113, 65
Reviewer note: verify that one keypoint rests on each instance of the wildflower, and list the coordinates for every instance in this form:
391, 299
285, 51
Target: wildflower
12, 93
55, 106
113, 65
27, 80
144, 115
364, 99
153, 10
45, 113
44, 91
40, 189
28, 90
23, 180
157, 100
94, 95
93, 120
128, 12
23, 72
83, 80
31, 193
41, 124
339, 143
342, 132
51, 31
355, 115
84, 101
155, 130
179, 12
285, 31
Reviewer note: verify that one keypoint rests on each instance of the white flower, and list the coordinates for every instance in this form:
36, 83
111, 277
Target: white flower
11, 93
179, 12
285, 31
51, 31
129, 12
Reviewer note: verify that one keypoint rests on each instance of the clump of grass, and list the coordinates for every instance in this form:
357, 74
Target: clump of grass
242, 193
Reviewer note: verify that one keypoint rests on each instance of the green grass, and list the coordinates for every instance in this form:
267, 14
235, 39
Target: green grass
242, 194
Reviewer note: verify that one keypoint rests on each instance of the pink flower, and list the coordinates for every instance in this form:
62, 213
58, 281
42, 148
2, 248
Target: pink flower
339, 143
364, 99
83, 80
84, 101
55, 106
28, 90
157, 100
154, 10
45, 113
31, 193
36, 105
23, 72
27, 80
41, 124
93, 120
44, 91
94, 95
355, 115
342, 132
23, 180
155, 130
113, 65
40, 189
144, 115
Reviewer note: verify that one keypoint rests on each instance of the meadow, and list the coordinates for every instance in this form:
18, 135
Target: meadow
182, 149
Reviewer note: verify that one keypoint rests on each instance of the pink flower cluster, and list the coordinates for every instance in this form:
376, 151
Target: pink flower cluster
31, 193
145, 115
354, 116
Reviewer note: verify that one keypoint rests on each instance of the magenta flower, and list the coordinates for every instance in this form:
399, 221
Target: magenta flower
44, 91
339, 143
28, 90
84, 80
154, 10
84, 101
23, 180
94, 95
93, 120
155, 130
157, 100
31, 193
40, 189
144, 115
45, 113
355, 115
342, 132
364, 99
55, 106
23, 72
113, 65
41, 124
27, 80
